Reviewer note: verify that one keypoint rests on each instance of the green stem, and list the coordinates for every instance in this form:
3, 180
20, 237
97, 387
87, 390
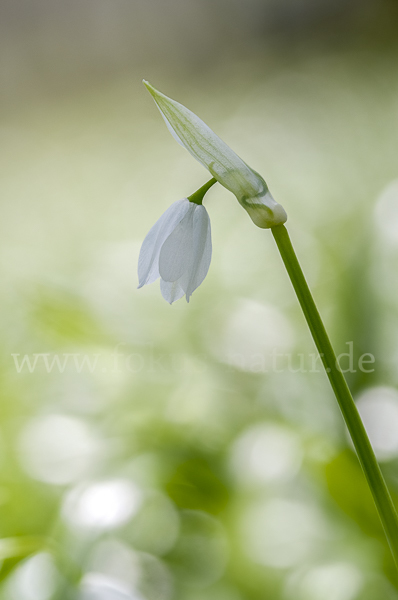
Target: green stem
197, 197
373, 474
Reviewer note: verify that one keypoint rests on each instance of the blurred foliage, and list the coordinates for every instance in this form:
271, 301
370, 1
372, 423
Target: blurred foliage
150, 452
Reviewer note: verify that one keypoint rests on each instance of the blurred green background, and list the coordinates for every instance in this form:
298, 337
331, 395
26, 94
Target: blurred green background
151, 452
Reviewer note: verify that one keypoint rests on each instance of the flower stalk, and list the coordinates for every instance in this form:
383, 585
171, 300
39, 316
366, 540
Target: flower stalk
383, 501
178, 250
197, 197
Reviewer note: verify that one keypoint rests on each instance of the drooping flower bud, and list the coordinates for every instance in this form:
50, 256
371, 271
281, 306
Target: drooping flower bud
231, 171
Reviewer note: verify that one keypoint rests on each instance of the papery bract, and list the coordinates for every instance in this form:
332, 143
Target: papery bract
222, 162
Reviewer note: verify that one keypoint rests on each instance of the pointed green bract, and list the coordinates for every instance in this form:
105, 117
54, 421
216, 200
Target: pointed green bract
226, 167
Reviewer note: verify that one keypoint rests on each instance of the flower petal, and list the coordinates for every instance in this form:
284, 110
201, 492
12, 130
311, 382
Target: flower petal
171, 290
177, 251
148, 269
202, 250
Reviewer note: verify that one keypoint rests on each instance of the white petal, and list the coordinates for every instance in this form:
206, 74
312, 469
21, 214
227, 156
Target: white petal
201, 252
148, 269
177, 251
171, 290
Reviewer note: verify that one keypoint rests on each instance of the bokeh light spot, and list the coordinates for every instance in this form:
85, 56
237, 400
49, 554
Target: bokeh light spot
102, 505
282, 533
254, 337
35, 579
334, 581
57, 449
386, 212
266, 453
96, 586
378, 408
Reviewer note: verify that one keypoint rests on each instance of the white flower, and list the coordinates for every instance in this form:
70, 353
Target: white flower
178, 250
223, 163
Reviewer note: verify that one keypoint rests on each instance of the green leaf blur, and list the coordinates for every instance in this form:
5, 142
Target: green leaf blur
150, 452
